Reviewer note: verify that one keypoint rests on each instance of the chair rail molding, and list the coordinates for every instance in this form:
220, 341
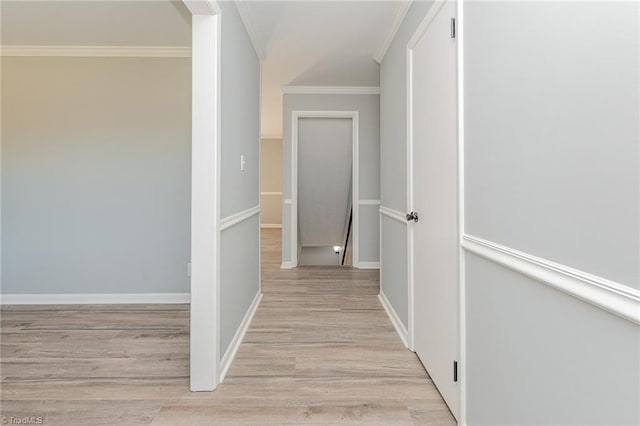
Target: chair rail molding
393, 214
235, 219
618, 299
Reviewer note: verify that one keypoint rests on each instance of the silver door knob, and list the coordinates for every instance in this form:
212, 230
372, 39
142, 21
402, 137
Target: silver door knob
413, 216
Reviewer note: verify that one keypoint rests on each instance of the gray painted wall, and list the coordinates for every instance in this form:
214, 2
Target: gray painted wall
393, 160
369, 112
239, 245
552, 169
552, 134
96, 174
240, 107
271, 181
239, 276
536, 356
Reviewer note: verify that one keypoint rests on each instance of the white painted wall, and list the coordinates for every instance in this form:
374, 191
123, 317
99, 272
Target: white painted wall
552, 169
96, 174
368, 107
271, 182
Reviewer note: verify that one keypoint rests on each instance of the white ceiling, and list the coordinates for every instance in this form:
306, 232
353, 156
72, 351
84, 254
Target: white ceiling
95, 23
310, 43
314, 43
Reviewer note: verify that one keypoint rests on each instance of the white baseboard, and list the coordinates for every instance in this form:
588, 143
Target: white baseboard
271, 225
368, 265
287, 265
395, 319
90, 299
230, 354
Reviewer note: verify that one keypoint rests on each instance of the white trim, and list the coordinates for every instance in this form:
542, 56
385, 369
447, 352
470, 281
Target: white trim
395, 319
232, 350
271, 226
369, 202
401, 12
259, 174
331, 90
98, 51
288, 201
93, 299
393, 214
202, 7
271, 193
236, 218
417, 35
613, 297
462, 364
369, 265
355, 185
243, 11
287, 265
205, 195
409, 195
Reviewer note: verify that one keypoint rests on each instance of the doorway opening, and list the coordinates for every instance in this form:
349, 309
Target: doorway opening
324, 180
324, 191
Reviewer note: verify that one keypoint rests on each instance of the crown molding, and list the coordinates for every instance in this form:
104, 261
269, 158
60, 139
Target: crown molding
330, 90
243, 11
98, 51
401, 12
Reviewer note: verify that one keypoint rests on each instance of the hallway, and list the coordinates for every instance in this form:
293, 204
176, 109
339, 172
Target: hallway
320, 350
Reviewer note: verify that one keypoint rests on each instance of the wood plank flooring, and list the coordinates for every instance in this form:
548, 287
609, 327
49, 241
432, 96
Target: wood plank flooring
320, 350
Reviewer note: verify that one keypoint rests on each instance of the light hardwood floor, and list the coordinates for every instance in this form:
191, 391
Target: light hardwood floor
320, 350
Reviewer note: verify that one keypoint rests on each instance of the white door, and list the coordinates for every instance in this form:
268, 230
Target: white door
435, 199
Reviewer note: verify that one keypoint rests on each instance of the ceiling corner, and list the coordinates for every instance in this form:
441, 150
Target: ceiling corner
391, 32
243, 11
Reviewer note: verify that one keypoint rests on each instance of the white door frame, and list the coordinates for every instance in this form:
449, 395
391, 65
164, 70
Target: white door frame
355, 183
410, 186
205, 195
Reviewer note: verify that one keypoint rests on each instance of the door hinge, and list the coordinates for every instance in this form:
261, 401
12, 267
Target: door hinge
453, 27
455, 371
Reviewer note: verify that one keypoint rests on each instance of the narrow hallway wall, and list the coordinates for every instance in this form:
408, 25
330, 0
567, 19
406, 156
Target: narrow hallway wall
393, 163
240, 187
